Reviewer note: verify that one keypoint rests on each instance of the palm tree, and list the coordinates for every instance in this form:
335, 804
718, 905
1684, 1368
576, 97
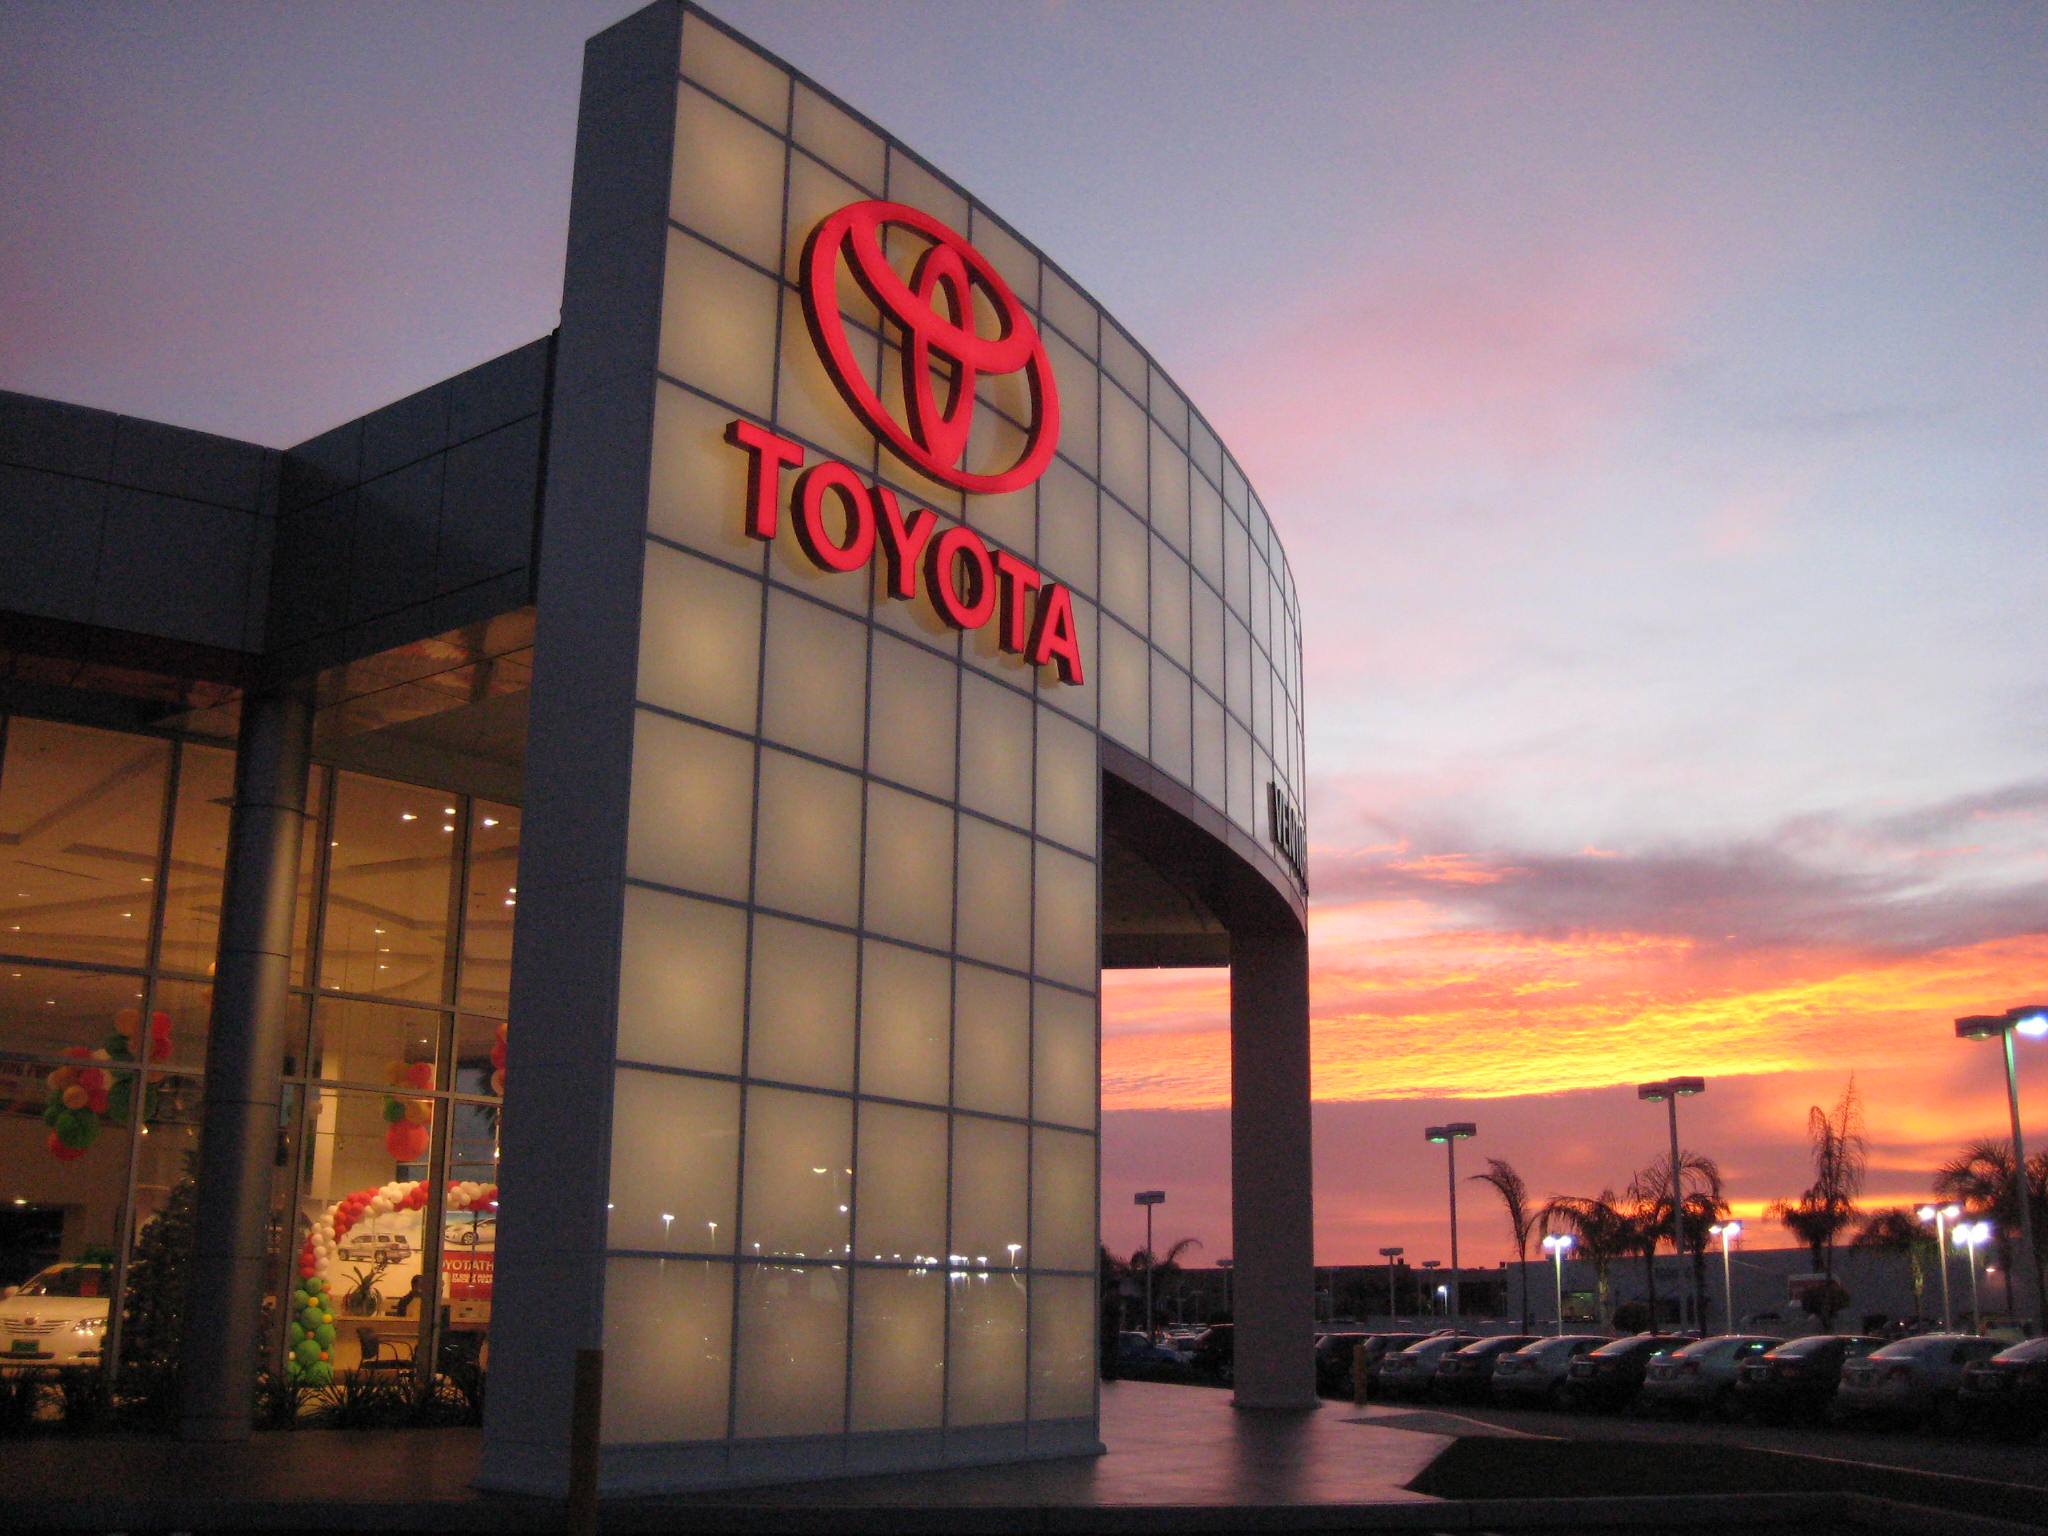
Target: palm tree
1896, 1229
1825, 1209
1646, 1219
1514, 1194
1700, 1181
1980, 1177
1602, 1230
1164, 1267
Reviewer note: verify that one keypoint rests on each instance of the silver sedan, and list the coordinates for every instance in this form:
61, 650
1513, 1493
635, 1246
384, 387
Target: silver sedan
1913, 1380
1535, 1372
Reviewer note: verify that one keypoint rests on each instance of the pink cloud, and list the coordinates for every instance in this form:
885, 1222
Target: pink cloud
1438, 363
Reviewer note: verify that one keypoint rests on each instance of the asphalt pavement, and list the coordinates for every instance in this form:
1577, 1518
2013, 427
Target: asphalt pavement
1918, 1450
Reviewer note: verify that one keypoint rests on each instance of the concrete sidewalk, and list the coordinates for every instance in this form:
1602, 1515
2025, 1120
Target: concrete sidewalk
1179, 1459
1170, 1447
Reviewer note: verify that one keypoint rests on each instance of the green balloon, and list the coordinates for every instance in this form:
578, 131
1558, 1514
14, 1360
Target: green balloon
310, 1318
315, 1285
116, 1046
291, 1367
297, 1333
53, 1112
325, 1334
307, 1351
393, 1111
76, 1129
319, 1375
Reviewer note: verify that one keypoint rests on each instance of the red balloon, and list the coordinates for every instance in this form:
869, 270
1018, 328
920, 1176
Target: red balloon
159, 1023
405, 1141
62, 1153
420, 1074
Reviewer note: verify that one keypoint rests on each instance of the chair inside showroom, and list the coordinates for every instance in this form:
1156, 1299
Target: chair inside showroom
375, 1358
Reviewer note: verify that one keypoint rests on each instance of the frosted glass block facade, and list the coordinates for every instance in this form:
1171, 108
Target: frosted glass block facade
820, 912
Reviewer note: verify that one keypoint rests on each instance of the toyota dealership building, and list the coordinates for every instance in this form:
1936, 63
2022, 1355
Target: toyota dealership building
597, 874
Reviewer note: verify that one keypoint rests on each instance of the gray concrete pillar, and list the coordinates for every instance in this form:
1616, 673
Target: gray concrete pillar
1272, 1203
244, 1065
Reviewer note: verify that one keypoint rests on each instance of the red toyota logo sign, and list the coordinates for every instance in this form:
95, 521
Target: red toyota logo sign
935, 313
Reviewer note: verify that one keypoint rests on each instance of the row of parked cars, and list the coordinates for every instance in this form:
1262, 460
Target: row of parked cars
1951, 1378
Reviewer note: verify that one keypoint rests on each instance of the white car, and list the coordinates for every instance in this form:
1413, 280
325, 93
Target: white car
58, 1317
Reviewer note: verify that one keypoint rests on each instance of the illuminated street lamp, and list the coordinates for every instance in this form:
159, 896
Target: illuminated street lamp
1393, 1306
1557, 1245
1450, 1136
1971, 1236
1941, 1216
1668, 1093
1148, 1198
1727, 1231
2032, 1022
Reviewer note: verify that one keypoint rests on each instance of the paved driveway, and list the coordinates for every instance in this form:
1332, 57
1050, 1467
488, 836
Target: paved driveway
1949, 1455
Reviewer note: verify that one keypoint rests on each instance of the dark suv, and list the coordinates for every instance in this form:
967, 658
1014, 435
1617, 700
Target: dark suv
1798, 1378
1612, 1375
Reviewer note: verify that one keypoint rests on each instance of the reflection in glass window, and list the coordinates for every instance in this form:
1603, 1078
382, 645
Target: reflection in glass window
64, 1217
46, 1009
480, 1055
199, 860
390, 856
491, 898
377, 1043
469, 1238
367, 1251
309, 873
81, 821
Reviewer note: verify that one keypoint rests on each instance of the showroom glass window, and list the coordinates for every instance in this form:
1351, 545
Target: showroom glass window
113, 850
399, 1056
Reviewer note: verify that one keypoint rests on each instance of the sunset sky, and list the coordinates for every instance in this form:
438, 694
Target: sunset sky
1653, 400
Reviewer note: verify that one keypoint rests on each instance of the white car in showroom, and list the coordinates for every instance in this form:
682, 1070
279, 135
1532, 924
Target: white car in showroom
58, 1317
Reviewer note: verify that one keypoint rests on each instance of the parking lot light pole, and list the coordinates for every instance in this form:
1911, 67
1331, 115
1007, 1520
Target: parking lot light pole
1668, 1093
1727, 1231
2032, 1022
1941, 1216
1557, 1245
1148, 1198
1450, 1136
1971, 1236
1393, 1305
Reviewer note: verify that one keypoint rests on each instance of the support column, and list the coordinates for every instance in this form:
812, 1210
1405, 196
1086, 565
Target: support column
244, 1066
1272, 1207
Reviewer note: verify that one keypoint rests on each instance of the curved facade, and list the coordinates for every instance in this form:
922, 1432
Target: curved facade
812, 886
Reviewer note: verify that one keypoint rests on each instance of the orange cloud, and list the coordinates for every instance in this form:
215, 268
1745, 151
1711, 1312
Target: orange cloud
1474, 1014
